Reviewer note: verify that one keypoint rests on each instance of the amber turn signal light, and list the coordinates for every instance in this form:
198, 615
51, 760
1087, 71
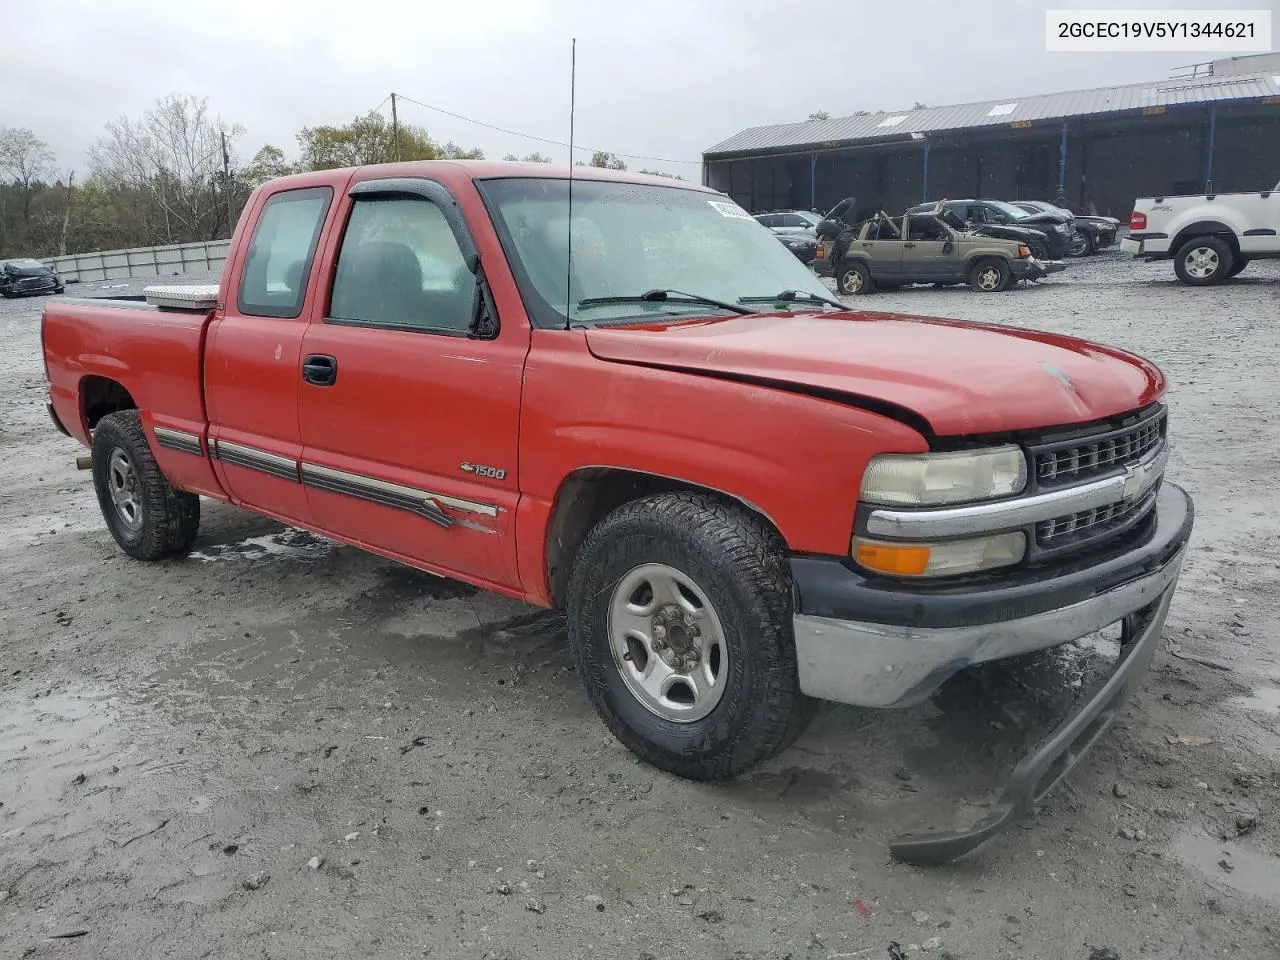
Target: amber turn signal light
901, 560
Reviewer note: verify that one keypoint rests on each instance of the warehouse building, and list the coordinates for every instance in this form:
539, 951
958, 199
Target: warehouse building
1217, 129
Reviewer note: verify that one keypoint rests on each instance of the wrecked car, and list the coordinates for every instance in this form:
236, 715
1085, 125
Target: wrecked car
931, 247
743, 495
26, 277
1092, 233
1049, 235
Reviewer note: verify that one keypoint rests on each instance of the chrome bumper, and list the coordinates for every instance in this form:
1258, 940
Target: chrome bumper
874, 665
898, 662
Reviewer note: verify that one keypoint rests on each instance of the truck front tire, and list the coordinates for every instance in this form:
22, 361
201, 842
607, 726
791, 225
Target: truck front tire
679, 618
149, 518
1203, 261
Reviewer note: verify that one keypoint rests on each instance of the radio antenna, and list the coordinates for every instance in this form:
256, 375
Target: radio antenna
568, 264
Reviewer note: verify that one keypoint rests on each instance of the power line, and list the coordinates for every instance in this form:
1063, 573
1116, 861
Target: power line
530, 136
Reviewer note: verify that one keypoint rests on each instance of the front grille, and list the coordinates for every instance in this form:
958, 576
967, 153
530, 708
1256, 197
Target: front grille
1088, 526
1077, 461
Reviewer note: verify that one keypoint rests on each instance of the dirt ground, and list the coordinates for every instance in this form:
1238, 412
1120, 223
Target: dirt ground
282, 748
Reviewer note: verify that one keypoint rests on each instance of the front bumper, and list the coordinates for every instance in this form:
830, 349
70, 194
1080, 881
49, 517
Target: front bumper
1029, 268
31, 286
921, 636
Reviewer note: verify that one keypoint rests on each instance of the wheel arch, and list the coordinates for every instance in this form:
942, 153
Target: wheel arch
1206, 228
101, 396
586, 495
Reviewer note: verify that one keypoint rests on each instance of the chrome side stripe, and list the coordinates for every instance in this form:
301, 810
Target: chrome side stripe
251, 458
318, 476
376, 491
180, 440
425, 503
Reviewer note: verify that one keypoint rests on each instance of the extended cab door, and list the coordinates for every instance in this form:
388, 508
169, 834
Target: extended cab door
409, 410
253, 350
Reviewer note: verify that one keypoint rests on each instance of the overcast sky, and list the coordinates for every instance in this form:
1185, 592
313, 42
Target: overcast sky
658, 78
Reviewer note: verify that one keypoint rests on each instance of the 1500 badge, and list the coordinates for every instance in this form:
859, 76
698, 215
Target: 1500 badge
481, 470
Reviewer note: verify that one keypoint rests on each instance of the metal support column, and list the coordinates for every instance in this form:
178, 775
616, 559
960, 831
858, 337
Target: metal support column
1208, 153
1062, 164
924, 179
813, 181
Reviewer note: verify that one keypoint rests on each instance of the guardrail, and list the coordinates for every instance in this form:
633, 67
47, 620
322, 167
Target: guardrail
203, 257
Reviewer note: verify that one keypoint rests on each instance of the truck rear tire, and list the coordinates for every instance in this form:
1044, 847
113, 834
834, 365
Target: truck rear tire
679, 618
149, 518
1203, 261
853, 278
1240, 264
990, 275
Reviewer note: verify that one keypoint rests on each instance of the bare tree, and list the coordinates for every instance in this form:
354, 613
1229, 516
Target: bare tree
27, 162
174, 156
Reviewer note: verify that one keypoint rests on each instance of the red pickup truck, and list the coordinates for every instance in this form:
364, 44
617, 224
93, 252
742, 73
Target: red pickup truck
620, 396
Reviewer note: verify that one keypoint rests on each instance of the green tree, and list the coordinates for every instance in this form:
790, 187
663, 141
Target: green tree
534, 157
659, 173
820, 115
607, 160
267, 164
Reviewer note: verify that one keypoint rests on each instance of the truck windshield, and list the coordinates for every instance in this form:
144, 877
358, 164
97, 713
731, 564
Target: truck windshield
629, 239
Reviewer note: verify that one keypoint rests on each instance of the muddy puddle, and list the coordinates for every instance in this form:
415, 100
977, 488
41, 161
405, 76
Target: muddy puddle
1262, 700
1231, 865
67, 744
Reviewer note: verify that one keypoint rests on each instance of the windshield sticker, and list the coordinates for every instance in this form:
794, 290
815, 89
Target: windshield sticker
729, 210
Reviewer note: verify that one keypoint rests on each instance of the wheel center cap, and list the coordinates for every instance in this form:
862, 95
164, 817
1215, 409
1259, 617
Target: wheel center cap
679, 638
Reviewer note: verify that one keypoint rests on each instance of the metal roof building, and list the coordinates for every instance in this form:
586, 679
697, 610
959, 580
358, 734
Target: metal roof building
1100, 148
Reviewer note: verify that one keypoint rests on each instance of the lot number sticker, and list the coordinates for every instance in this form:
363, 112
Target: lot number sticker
729, 210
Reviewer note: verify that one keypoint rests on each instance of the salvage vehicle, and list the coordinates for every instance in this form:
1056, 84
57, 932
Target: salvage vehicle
931, 247
639, 409
1049, 235
797, 229
1092, 233
1209, 237
27, 278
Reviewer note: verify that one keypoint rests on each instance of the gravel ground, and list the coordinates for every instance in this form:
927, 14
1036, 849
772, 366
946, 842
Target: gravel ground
284, 748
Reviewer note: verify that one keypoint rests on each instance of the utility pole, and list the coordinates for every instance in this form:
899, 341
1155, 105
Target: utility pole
226, 183
66, 215
395, 129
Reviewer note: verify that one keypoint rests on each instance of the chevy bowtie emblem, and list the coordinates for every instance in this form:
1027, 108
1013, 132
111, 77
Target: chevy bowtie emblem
1138, 479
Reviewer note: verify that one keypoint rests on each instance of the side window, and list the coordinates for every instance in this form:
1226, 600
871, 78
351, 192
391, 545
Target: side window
401, 267
794, 220
283, 246
975, 214
768, 219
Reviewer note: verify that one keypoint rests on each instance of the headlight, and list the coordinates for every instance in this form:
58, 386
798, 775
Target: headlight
920, 479
945, 558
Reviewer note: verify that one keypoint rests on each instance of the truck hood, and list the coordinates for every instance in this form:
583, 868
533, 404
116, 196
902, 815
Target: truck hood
960, 378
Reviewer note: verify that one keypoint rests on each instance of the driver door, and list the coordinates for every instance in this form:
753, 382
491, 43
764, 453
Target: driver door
929, 253
410, 419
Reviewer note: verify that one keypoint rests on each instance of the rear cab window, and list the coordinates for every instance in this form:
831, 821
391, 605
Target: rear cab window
273, 282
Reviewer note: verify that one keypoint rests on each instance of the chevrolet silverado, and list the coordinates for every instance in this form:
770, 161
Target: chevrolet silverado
621, 397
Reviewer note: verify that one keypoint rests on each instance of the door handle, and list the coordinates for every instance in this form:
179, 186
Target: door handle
908, 244
319, 370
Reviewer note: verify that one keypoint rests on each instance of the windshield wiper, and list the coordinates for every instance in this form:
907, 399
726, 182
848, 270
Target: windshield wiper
795, 296
659, 295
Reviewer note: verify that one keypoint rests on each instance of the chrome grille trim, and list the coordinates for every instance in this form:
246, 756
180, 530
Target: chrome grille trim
1084, 458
